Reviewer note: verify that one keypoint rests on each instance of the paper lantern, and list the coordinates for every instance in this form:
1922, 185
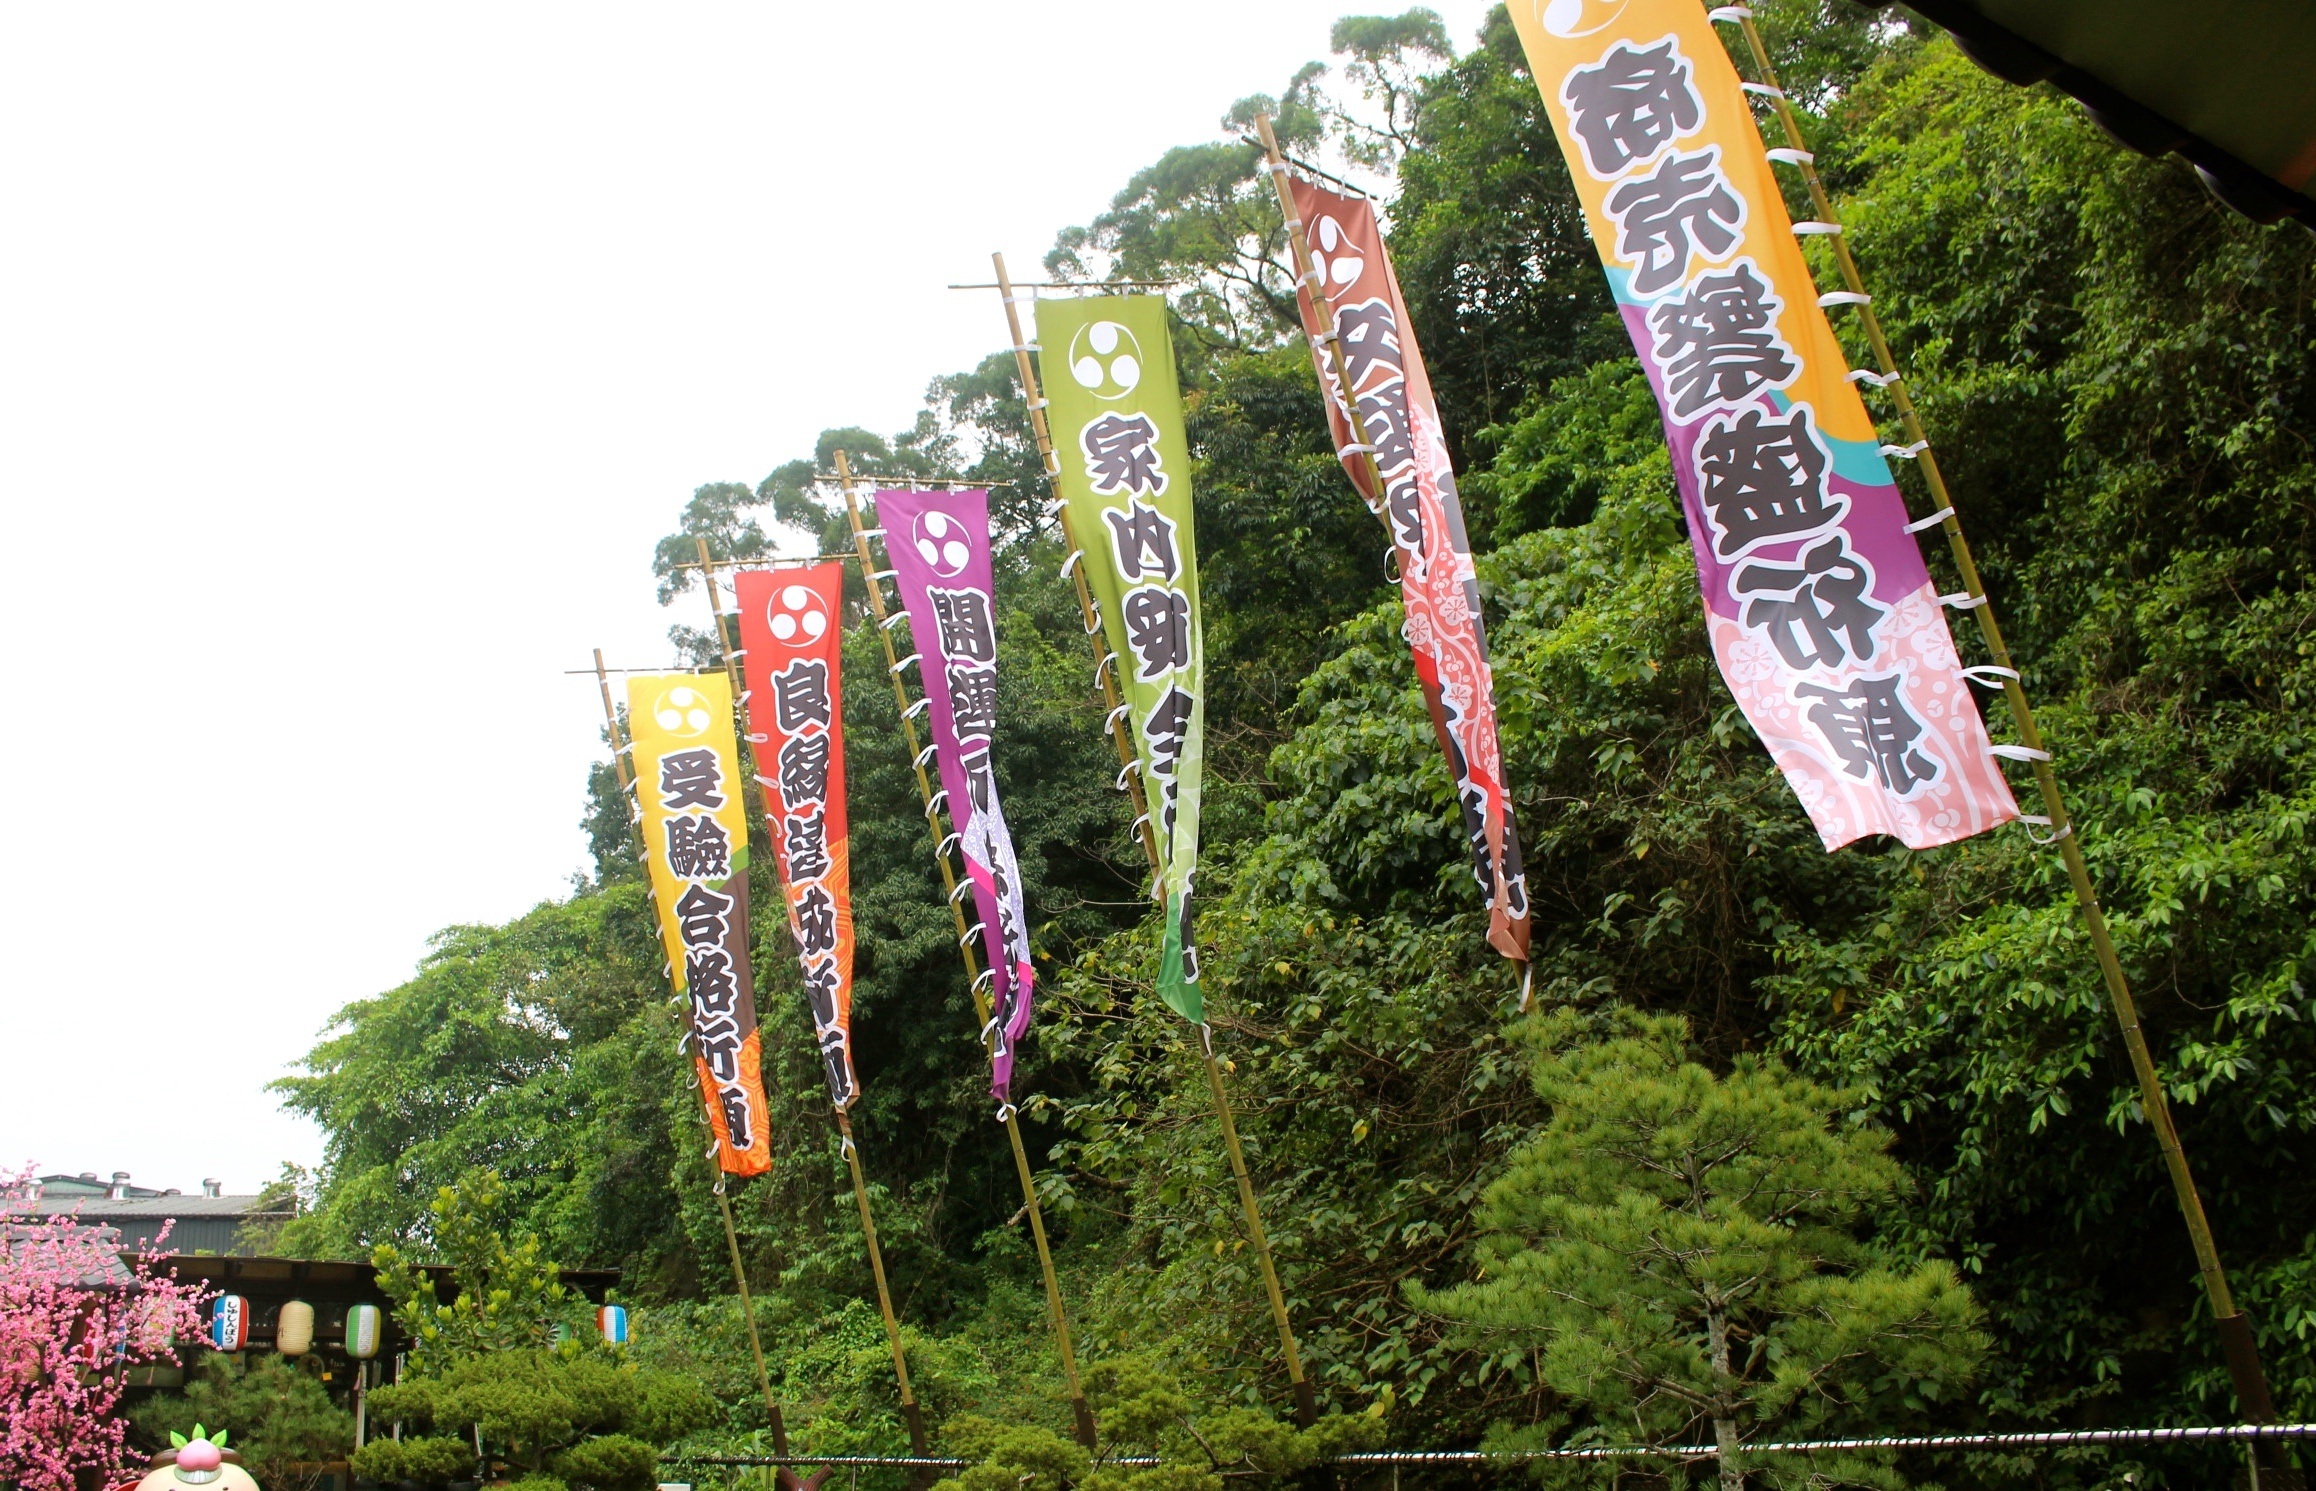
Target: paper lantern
293, 1331
365, 1327
229, 1322
612, 1321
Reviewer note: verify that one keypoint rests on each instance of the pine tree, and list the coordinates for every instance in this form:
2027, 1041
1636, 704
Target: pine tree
1681, 1254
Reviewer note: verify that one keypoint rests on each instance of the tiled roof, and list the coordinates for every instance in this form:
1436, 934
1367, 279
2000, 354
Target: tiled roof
102, 1208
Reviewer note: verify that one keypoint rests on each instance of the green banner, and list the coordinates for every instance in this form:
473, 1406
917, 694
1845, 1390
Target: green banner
1115, 407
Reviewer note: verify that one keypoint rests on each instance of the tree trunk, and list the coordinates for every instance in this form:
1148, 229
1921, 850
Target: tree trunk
1724, 1405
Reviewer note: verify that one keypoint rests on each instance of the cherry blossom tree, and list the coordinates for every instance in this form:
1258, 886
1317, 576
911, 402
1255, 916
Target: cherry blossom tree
75, 1315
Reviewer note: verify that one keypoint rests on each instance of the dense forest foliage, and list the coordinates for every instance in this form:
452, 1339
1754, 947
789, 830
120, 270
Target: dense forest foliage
2118, 375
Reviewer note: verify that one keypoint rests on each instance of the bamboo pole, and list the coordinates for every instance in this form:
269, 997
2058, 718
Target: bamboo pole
1080, 1413
1105, 673
918, 1444
2242, 1352
723, 1204
868, 1228
1299, 243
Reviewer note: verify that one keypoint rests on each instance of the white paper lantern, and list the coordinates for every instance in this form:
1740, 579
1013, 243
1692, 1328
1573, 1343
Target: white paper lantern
293, 1331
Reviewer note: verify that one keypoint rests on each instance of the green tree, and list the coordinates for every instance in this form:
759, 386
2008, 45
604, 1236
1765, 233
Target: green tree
579, 1414
2121, 378
1143, 1412
508, 1295
1680, 1254
276, 1409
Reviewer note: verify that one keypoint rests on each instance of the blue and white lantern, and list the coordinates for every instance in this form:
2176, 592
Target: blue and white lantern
229, 1322
611, 1320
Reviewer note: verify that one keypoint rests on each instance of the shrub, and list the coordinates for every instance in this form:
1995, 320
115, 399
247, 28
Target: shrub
610, 1462
403, 1403
278, 1412
434, 1459
379, 1460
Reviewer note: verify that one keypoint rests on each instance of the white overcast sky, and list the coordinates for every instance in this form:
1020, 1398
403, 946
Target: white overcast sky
352, 358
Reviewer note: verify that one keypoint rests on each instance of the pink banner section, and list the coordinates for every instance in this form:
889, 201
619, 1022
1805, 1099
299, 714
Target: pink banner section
938, 543
1834, 643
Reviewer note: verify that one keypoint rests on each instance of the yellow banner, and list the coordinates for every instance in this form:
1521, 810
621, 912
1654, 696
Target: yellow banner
695, 834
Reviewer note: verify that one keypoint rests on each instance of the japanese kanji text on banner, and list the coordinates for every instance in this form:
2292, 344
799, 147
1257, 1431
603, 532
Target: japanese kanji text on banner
939, 546
1116, 411
1823, 618
1388, 415
791, 660
695, 834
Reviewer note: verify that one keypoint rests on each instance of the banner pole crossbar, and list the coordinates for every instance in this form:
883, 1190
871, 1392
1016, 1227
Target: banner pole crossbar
1009, 286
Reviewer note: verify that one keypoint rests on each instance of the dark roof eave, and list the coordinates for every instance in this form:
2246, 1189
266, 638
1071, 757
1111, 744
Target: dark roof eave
2015, 59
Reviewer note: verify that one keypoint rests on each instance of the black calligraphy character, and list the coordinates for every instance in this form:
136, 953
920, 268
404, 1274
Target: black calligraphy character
718, 1038
815, 922
966, 629
1719, 343
736, 1120
806, 841
690, 779
1168, 731
980, 783
1369, 335
1515, 874
1158, 629
804, 770
1683, 206
800, 695
972, 700
1383, 420
1635, 102
1143, 539
1009, 933
708, 978
1868, 726
698, 849
700, 916
1122, 455
1808, 612
823, 984
1001, 1020
1764, 479
834, 1057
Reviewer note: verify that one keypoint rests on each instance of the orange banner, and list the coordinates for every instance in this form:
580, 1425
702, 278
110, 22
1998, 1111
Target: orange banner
792, 660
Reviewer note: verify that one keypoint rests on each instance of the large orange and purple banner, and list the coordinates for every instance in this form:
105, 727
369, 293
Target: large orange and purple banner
1387, 433
1822, 616
939, 546
795, 692
695, 834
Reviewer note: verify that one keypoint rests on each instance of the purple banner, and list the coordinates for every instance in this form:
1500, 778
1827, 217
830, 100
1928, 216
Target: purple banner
938, 543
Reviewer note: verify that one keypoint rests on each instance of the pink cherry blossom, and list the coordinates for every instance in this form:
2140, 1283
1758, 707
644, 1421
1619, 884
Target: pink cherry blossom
75, 1315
